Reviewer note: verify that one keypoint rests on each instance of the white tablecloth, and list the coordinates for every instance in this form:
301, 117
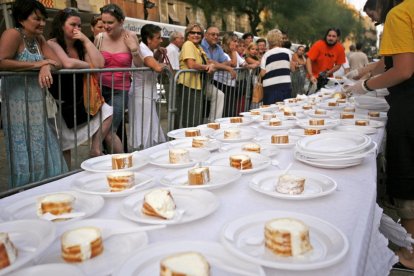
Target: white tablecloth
352, 208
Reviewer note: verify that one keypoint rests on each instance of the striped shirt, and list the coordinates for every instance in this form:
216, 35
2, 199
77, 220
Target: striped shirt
276, 63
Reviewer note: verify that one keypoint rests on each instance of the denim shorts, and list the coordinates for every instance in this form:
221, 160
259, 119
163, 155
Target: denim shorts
119, 101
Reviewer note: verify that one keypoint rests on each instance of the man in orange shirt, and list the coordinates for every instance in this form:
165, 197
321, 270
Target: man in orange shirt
325, 57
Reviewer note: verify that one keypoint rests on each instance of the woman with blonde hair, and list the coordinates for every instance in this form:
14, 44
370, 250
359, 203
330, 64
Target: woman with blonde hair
189, 97
275, 69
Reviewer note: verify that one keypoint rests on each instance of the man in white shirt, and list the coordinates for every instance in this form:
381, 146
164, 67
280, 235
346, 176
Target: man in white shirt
358, 59
173, 49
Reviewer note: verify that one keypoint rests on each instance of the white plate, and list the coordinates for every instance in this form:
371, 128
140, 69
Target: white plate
311, 113
117, 248
222, 263
265, 150
219, 177
26, 208
329, 244
246, 134
104, 163
316, 185
246, 121
196, 204
326, 165
188, 143
328, 124
267, 141
49, 270
97, 184
359, 129
259, 162
180, 133
372, 123
285, 125
334, 143
31, 238
161, 158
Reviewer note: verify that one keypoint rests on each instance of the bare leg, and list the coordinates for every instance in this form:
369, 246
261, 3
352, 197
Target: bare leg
406, 257
96, 138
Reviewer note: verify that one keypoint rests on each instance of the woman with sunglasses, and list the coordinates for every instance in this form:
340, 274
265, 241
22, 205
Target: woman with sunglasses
143, 92
189, 97
76, 51
119, 48
33, 151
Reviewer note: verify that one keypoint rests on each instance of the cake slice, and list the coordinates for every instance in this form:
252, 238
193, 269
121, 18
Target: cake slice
290, 184
179, 156
159, 203
192, 132
185, 264
241, 162
121, 161
198, 176
252, 147
120, 181
56, 204
81, 244
8, 252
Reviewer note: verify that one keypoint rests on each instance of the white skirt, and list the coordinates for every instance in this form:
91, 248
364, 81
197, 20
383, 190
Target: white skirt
67, 136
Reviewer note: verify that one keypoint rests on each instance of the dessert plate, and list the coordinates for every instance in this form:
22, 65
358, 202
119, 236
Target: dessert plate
372, 123
246, 121
245, 238
359, 129
27, 207
316, 185
104, 163
180, 133
97, 184
284, 125
246, 134
328, 124
259, 162
147, 260
327, 165
49, 270
265, 150
219, 177
267, 141
30, 237
161, 158
191, 205
188, 143
117, 248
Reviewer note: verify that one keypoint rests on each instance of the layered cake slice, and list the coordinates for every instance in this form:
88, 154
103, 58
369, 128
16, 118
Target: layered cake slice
287, 237
316, 122
81, 244
290, 184
185, 264
280, 139
200, 142
179, 156
213, 125
198, 176
159, 203
252, 147
120, 181
241, 162
56, 204
235, 120
8, 252
192, 132
232, 133
121, 161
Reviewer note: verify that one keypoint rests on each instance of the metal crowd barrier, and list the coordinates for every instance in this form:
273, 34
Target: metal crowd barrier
157, 104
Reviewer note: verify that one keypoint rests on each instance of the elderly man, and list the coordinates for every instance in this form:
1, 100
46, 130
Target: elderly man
325, 57
173, 49
216, 56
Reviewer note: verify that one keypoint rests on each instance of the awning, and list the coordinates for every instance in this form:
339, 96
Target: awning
134, 25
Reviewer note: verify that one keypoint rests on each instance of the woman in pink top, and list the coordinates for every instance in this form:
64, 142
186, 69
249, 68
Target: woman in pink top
119, 48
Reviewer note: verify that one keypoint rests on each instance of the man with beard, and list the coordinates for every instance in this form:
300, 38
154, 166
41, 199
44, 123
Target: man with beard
325, 57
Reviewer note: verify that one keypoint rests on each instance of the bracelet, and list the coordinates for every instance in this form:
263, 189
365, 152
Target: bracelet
135, 53
365, 86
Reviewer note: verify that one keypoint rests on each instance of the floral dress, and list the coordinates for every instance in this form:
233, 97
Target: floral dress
32, 148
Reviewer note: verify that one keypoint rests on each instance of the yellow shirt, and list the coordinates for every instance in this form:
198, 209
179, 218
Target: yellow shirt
190, 51
398, 35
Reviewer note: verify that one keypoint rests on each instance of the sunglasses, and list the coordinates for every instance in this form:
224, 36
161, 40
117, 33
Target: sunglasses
195, 33
70, 11
111, 10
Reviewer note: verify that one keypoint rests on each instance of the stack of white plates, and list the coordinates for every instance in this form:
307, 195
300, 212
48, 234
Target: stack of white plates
371, 103
334, 149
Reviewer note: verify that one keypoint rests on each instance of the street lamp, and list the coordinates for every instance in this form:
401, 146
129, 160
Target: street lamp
147, 5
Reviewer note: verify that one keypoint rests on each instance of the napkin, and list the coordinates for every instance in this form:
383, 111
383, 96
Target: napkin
395, 232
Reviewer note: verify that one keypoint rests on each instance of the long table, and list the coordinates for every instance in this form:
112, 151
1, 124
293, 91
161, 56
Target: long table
352, 208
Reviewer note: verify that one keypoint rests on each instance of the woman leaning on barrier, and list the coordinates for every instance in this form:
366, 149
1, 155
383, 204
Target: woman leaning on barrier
33, 151
189, 97
145, 128
76, 51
